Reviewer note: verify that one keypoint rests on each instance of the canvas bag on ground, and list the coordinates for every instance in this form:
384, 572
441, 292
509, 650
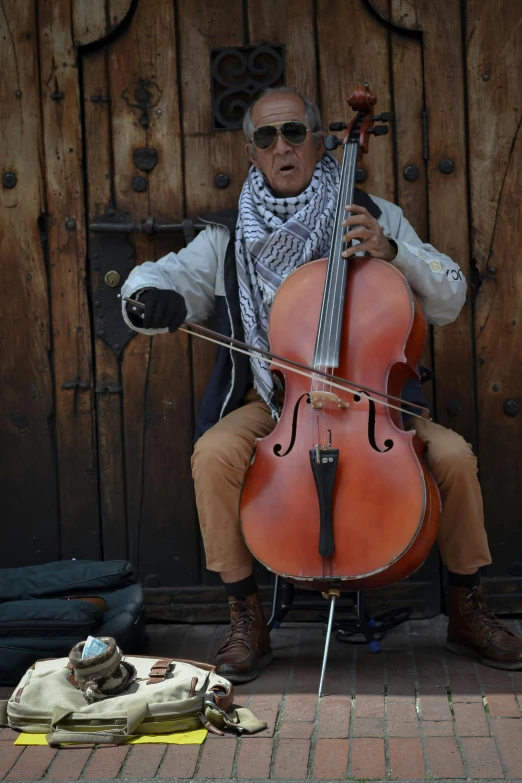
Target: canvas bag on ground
166, 695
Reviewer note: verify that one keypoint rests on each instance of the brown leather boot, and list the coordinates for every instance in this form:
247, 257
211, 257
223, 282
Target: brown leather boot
247, 645
475, 632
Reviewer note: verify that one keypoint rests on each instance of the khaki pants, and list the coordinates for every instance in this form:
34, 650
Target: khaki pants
222, 456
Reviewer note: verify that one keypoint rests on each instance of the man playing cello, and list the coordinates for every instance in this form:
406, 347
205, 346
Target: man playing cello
232, 270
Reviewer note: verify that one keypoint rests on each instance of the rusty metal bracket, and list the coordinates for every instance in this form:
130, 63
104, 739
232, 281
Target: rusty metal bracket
147, 226
76, 384
111, 256
110, 252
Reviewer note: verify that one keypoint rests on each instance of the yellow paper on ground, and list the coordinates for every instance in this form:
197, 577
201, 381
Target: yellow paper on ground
176, 738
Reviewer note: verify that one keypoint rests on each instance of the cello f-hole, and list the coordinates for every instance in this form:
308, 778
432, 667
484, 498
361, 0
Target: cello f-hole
278, 447
388, 443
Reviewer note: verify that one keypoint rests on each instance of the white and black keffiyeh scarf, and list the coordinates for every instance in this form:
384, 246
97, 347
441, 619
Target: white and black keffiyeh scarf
274, 236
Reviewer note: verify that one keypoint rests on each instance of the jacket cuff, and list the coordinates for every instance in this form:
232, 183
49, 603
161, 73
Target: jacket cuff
401, 260
135, 322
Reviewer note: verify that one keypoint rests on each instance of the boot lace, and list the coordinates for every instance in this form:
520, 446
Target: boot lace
242, 615
478, 609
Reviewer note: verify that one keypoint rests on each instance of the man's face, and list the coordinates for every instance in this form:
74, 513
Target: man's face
288, 168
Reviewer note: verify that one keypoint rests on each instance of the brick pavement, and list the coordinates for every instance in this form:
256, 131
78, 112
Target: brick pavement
413, 712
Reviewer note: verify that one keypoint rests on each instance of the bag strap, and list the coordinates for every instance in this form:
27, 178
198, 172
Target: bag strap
135, 714
240, 719
59, 737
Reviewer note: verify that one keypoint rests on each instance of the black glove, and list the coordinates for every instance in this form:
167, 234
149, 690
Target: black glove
163, 309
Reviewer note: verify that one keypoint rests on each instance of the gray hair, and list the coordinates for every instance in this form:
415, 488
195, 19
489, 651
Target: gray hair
312, 116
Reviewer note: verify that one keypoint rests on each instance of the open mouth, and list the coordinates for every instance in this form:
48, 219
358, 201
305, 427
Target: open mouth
287, 168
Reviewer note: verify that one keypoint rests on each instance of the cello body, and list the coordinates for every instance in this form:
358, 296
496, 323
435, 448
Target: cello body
384, 504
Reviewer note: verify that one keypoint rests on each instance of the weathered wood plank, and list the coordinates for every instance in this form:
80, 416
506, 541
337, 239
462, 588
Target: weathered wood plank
447, 193
72, 347
403, 15
495, 118
157, 393
382, 7
499, 349
407, 128
412, 194
291, 23
203, 25
28, 475
493, 67
95, 19
353, 49
127, 134
108, 405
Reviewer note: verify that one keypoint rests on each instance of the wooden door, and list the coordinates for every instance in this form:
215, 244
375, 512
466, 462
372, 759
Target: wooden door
111, 121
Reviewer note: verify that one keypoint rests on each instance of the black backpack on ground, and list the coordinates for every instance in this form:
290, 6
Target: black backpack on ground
46, 609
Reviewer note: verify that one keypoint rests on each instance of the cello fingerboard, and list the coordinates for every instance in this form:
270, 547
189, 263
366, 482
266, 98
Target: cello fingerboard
330, 321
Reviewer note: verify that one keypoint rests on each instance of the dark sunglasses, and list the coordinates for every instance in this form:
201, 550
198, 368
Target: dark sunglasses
292, 130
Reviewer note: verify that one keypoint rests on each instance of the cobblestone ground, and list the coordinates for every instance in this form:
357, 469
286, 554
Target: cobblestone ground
413, 712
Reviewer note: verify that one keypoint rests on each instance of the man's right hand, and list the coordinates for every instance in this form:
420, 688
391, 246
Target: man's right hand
164, 309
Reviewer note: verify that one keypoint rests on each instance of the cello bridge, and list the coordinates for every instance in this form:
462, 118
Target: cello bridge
319, 398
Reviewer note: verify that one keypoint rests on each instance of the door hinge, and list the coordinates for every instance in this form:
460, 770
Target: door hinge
76, 384
425, 139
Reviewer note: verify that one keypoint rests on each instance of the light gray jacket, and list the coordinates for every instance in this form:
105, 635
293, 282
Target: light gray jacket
197, 271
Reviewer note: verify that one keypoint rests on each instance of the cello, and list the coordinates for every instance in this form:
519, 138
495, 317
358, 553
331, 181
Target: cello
339, 496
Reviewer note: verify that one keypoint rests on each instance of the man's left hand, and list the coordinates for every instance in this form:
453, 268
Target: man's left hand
369, 233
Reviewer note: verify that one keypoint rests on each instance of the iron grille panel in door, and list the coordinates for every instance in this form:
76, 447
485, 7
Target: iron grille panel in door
240, 73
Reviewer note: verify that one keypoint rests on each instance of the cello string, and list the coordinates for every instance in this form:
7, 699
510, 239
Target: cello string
321, 347
324, 337
332, 287
341, 264
336, 284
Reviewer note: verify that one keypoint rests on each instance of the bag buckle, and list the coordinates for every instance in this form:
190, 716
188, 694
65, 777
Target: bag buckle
159, 670
210, 701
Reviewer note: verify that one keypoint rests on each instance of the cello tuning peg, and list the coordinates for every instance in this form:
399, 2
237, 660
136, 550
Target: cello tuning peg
331, 142
386, 116
337, 126
380, 130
